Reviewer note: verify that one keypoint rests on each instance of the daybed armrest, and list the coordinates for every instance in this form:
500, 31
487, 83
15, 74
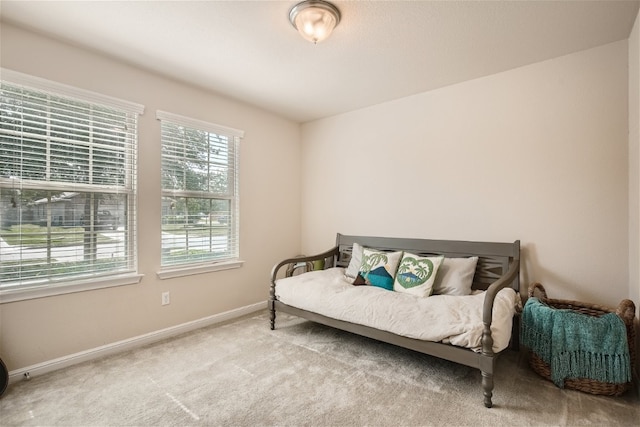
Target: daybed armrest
490, 296
276, 268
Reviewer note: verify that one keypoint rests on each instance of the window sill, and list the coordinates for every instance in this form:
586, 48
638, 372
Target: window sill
49, 290
170, 273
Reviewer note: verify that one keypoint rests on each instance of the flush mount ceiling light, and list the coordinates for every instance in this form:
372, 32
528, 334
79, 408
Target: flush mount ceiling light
314, 19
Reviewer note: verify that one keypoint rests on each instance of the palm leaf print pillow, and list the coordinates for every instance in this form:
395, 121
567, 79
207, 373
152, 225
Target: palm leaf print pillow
416, 274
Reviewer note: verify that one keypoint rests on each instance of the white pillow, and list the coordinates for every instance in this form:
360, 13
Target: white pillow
355, 262
417, 274
455, 276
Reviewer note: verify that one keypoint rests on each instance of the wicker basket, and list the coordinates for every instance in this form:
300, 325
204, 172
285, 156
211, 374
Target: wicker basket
626, 310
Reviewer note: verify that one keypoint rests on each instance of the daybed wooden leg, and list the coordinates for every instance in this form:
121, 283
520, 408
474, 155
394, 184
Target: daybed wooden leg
272, 305
487, 388
272, 315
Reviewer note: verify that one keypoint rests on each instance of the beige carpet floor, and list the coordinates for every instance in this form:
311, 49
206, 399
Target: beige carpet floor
302, 374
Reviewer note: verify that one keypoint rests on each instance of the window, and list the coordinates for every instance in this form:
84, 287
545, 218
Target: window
67, 186
199, 192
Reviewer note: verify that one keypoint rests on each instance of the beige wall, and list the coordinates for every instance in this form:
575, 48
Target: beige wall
538, 153
634, 174
40, 330
634, 164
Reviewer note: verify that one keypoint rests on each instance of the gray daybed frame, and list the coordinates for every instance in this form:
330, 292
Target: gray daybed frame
498, 267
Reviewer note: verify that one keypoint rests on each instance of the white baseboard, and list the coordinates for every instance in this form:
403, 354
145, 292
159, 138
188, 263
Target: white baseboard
130, 343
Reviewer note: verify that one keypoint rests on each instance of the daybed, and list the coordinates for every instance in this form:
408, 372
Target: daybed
470, 327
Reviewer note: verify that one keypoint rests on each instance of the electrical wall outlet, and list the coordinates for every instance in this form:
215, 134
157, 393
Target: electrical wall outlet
165, 298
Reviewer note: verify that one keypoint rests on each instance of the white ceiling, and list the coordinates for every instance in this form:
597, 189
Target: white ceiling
382, 50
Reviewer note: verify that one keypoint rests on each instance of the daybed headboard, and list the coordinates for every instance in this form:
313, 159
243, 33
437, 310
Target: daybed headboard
493, 257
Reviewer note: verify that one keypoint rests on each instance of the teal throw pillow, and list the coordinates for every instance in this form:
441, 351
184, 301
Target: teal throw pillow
378, 268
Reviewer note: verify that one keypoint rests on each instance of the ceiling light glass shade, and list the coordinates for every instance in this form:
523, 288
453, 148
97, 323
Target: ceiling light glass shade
314, 19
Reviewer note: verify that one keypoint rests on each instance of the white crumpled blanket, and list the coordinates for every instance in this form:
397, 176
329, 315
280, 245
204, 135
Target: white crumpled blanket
440, 318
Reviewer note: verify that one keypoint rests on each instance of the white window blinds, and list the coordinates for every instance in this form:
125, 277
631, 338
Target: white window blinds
200, 206
67, 184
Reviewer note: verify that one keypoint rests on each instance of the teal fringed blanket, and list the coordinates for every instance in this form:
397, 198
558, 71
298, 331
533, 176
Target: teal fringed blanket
577, 345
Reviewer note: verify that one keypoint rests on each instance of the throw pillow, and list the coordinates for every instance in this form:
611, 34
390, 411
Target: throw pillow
416, 274
455, 276
355, 262
378, 268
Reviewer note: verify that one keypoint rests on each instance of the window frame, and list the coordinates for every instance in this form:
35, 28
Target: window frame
65, 285
235, 135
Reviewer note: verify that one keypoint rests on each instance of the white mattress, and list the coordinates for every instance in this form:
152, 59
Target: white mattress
440, 318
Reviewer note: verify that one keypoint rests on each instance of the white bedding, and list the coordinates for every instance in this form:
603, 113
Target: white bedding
453, 319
